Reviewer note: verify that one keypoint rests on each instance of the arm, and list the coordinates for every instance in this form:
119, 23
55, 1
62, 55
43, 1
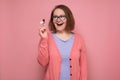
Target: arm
43, 57
83, 62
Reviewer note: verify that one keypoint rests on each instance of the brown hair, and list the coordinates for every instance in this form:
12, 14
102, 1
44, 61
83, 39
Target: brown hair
70, 19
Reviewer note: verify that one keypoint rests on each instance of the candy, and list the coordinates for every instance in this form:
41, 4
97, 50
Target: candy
42, 22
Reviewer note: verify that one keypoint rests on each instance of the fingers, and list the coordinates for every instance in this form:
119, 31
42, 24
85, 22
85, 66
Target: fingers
42, 30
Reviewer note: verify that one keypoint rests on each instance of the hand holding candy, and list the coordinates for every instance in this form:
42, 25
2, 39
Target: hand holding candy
42, 30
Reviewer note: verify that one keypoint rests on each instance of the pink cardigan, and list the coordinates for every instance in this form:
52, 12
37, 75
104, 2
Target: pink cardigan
49, 57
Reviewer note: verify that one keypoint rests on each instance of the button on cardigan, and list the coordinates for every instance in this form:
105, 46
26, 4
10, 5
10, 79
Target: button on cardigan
49, 57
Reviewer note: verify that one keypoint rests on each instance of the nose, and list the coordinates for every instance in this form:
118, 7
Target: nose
58, 19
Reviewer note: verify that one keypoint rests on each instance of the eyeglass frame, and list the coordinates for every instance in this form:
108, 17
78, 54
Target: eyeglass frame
60, 17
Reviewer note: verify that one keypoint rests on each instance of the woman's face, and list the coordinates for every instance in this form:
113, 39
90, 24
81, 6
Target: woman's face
59, 20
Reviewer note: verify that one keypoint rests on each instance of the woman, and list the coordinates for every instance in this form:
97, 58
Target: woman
62, 51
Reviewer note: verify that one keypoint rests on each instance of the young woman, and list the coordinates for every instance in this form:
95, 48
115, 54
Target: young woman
61, 50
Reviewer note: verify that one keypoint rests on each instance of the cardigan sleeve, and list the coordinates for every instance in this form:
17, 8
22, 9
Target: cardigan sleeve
83, 61
43, 56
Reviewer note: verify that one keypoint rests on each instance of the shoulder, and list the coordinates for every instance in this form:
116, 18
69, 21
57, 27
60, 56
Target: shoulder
79, 39
78, 36
50, 36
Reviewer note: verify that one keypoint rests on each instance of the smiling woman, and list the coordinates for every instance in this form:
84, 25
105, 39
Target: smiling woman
59, 20
62, 51
61, 14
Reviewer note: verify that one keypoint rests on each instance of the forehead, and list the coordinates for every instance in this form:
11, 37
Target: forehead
58, 12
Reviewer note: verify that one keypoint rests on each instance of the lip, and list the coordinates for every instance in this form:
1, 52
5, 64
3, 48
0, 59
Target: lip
59, 24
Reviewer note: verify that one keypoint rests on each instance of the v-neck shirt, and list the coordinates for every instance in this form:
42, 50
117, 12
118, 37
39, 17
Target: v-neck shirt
64, 48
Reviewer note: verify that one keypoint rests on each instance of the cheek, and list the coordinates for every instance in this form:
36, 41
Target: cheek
65, 21
54, 23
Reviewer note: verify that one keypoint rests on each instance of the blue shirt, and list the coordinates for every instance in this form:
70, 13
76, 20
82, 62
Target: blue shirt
64, 48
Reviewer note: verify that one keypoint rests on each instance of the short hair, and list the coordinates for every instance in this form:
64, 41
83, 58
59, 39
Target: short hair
69, 16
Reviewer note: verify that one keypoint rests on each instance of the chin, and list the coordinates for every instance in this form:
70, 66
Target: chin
60, 30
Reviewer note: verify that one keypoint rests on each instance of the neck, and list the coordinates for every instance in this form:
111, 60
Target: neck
63, 33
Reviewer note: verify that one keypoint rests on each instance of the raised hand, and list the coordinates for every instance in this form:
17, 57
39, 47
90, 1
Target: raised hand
42, 30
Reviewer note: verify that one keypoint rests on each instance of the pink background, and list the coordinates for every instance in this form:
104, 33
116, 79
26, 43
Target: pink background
97, 20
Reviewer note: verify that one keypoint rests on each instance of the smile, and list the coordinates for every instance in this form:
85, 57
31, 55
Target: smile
60, 24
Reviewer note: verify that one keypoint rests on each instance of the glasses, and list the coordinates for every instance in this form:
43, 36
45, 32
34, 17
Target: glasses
61, 17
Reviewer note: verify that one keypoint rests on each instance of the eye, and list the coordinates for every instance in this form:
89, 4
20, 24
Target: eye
55, 17
62, 17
